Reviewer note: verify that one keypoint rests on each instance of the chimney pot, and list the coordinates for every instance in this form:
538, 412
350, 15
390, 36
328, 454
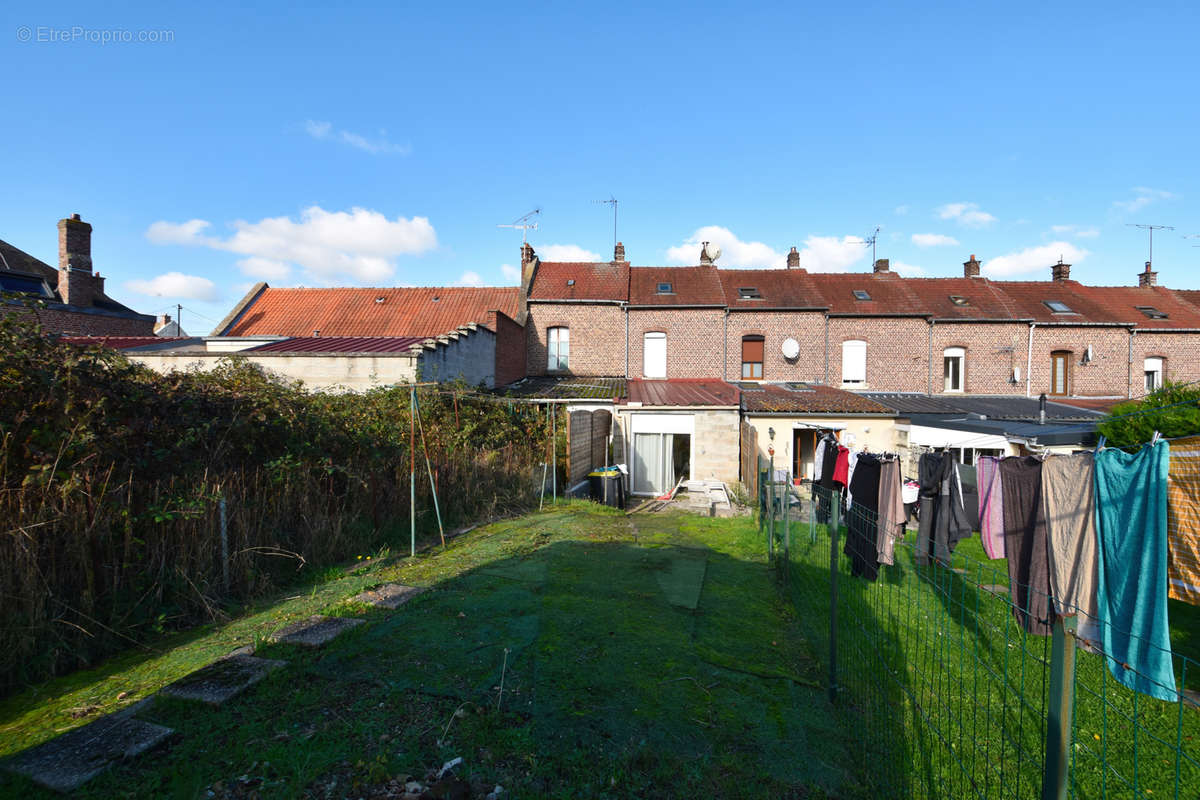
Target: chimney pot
793, 259
1060, 271
1147, 278
971, 267
882, 265
619, 252
704, 259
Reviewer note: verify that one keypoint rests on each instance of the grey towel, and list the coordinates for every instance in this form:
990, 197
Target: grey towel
1069, 494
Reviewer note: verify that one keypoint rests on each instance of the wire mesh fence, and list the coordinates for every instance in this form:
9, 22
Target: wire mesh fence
949, 694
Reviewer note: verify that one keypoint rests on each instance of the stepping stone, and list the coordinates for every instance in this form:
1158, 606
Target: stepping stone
67, 762
994, 588
314, 631
222, 680
389, 595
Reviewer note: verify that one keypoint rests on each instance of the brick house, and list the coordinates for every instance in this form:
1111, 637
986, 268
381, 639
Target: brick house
73, 295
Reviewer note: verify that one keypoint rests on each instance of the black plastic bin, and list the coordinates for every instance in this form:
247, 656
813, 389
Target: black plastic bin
607, 486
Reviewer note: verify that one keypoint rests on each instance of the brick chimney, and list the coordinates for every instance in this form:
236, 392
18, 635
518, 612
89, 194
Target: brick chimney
1147, 278
1060, 271
704, 259
971, 267
793, 261
883, 265
529, 265
76, 284
619, 252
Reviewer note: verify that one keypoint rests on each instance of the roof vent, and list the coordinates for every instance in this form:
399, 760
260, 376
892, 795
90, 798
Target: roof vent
570, 281
379, 299
316, 333
436, 298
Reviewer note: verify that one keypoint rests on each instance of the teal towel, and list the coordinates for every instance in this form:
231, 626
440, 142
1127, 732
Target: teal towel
1131, 522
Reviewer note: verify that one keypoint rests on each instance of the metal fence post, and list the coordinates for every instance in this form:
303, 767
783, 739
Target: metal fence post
224, 545
1056, 773
787, 532
833, 599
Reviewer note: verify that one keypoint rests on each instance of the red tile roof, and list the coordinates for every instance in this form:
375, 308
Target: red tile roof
682, 392
690, 286
979, 298
590, 281
340, 344
807, 399
1120, 304
413, 311
889, 293
780, 288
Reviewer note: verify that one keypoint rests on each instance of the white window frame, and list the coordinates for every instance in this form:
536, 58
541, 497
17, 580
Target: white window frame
558, 348
654, 358
854, 362
958, 354
1153, 365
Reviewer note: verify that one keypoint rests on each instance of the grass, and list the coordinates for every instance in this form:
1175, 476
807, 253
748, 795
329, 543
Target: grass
955, 695
567, 654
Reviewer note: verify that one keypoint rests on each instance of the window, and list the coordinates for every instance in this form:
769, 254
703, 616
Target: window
1154, 373
1152, 312
952, 368
854, 361
1060, 372
861, 294
558, 343
958, 300
654, 355
749, 293
665, 288
752, 358
1058, 307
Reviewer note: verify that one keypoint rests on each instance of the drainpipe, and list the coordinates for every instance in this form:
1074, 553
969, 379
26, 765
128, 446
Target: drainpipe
929, 388
826, 380
626, 305
725, 347
1029, 363
1129, 366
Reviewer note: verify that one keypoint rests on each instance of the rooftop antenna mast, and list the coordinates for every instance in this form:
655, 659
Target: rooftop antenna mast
1152, 229
870, 241
611, 201
523, 223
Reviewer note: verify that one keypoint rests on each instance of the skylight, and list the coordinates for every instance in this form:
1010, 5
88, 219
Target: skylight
749, 293
1152, 312
665, 288
570, 281
958, 300
1058, 306
861, 294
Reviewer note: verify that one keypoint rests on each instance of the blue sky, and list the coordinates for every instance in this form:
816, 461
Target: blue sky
381, 145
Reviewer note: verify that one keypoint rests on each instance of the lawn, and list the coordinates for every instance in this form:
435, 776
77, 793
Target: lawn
572, 653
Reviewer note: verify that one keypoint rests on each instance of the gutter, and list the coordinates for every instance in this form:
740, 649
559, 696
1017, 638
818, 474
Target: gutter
574, 301
826, 379
625, 306
929, 388
1129, 366
725, 347
1029, 362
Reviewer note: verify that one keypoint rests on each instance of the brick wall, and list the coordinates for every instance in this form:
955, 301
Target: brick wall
82, 323
1181, 352
992, 351
806, 327
597, 337
897, 352
510, 349
694, 346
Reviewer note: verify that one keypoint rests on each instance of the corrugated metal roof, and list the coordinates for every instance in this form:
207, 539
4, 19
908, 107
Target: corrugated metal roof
993, 407
340, 344
396, 312
683, 392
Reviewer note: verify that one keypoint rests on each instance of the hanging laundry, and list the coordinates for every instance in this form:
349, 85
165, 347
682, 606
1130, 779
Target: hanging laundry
929, 472
818, 457
827, 490
943, 517
1069, 495
841, 467
1183, 521
969, 486
891, 511
1131, 519
863, 519
851, 460
1025, 543
991, 506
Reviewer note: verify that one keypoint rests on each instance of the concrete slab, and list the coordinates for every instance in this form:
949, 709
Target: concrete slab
314, 631
222, 680
994, 588
67, 762
389, 595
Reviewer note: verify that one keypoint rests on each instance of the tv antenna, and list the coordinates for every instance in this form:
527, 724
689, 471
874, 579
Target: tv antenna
1152, 229
869, 241
524, 224
611, 201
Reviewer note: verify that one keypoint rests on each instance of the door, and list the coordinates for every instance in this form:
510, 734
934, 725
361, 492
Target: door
1060, 375
660, 460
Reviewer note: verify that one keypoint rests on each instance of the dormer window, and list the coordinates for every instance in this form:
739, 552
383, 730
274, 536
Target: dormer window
1152, 312
959, 300
665, 288
749, 293
1058, 306
861, 294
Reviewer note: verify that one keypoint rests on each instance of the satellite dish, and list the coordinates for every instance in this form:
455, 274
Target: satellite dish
712, 251
790, 348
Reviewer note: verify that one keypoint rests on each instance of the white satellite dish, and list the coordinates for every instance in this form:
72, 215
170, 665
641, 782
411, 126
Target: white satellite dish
712, 251
790, 348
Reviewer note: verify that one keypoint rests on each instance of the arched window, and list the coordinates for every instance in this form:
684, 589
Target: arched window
953, 360
1060, 372
654, 355
1153, 368
558, 346
752, 358
854, 361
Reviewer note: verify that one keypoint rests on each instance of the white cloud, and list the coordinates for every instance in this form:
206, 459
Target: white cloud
176, 285
967, 214
566, 252
511, 274
324, 131
900, 211
831, 254
469, 278
734, 252
1033, 259
908, 270
1143, 196
1077, 231
333, 247
177, 232
932, 239
266, 268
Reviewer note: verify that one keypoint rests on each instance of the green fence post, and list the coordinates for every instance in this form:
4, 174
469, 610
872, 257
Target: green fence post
787, 531
771, 516
1056, 774
833, 598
